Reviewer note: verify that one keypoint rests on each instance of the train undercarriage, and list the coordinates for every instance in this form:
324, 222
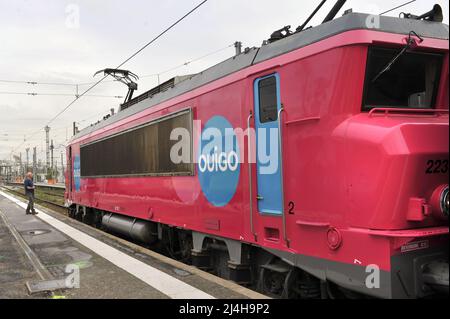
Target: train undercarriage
258, 269
247, 265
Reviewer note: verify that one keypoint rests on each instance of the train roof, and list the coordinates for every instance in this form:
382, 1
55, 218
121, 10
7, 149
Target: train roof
348, 22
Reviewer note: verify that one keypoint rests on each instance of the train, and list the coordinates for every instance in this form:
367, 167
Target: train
314, 166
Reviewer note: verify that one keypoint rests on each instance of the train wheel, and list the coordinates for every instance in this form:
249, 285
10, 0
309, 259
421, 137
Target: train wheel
88, 217
78, 214
273, 283
336, 292
71, 212
300, 285
186, 245
273, 277
280, 280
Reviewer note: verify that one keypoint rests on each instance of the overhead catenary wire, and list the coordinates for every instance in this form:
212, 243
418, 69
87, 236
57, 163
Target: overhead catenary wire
110, 81
189, 62
57, 94
68, 126
128, 59
120, 65
37, 83
175, 67
397, 7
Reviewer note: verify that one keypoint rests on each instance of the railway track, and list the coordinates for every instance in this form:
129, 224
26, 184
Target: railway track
63, 210
105, 272
60, 208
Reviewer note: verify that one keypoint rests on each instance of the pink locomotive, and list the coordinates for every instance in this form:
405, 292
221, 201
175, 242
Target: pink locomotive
313, 166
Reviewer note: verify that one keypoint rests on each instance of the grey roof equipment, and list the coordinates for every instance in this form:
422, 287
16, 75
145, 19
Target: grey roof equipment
350, 21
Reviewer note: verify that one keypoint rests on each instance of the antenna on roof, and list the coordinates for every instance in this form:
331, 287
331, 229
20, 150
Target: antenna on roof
435, 15
334, 11
300, 28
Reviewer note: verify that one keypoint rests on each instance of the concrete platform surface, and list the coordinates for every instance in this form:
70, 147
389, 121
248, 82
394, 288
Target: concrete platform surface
37, 250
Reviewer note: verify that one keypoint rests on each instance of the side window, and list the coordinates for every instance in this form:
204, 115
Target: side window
141, 151
268, 103
411, 81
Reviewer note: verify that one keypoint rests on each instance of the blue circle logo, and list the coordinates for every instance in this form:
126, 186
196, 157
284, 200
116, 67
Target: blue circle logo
218, 161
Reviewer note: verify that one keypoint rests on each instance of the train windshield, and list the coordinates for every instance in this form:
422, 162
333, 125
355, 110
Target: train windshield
411, 82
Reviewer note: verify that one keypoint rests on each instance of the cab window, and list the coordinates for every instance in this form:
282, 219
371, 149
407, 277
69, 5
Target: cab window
411, 81
268, 103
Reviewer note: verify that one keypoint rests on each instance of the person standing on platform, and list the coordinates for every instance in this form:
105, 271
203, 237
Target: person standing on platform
29, 192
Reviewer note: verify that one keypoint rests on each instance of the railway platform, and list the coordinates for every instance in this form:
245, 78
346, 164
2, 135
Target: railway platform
52, 256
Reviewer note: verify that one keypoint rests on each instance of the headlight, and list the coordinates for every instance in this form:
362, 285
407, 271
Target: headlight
440, 202
445, 202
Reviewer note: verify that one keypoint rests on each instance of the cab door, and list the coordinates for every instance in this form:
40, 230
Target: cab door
268, 160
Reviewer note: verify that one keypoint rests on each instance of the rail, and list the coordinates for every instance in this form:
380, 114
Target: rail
38, 200
40, 185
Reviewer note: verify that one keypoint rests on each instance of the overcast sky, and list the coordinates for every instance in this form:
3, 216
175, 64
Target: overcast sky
43, 41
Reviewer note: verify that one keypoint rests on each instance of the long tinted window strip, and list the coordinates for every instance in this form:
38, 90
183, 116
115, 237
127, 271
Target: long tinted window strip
143, 151
268, 103
412, 81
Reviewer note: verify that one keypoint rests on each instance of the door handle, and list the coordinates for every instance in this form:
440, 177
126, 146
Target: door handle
259, 197
280, 145
250, 183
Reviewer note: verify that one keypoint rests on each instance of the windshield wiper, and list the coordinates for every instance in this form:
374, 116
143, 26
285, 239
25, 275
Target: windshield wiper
409, 45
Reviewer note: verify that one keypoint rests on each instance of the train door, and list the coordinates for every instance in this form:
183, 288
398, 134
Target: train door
268, 156
69, 170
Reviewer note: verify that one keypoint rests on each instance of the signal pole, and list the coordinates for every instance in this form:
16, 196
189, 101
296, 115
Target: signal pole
47, 149
51, 150
62, 167
20, 165
75, 128
34, 160
28, 160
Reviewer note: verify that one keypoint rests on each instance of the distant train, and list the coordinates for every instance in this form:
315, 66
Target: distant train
315, 166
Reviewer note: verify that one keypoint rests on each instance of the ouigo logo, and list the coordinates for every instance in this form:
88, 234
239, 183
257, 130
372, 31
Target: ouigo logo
218, 161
